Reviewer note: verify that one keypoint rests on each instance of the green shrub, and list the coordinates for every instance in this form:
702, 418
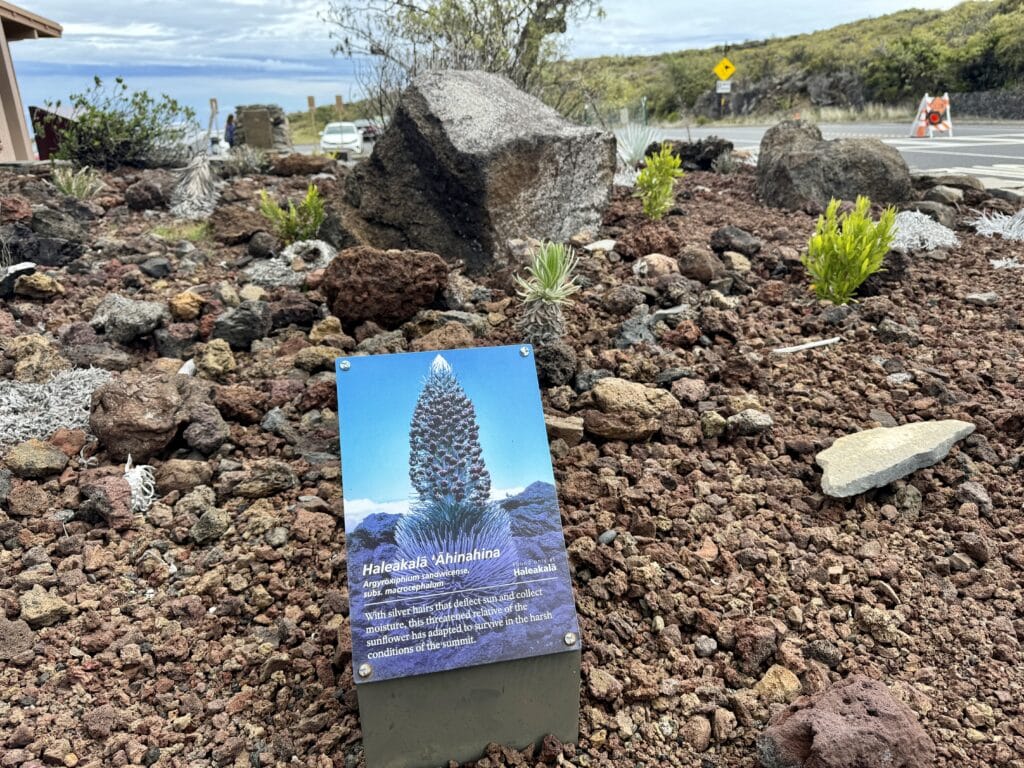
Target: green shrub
83, 183
548, 287
294, 224
846, 250
654, 183
114, 127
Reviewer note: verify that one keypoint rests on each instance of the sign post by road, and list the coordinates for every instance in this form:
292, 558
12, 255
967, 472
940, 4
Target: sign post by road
312, 112
723, 70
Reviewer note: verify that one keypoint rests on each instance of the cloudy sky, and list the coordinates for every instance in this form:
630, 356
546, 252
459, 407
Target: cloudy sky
245, 51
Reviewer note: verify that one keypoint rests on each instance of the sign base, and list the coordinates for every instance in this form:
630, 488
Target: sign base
427, 720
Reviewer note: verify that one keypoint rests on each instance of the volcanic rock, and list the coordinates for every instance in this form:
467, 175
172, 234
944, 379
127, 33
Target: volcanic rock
730, 238
612, 395
797, 169
874, 458
108, 497
9, 276
695, 155
16, 637
469, 162
145, 195
567, 428
854, 724
138, 414
40, 608
124, 320
246, 323
387, 287
35, 459
236, 224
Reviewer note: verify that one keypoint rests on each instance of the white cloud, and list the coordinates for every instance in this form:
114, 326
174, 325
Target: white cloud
74, 30
194, 49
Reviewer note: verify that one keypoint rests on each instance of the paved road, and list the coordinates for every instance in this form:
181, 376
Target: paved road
994, 152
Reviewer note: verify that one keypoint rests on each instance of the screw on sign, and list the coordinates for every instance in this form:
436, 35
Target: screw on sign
932, 115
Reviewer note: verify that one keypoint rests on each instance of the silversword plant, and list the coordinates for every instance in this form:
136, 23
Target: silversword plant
83, 183
916, 231
632, 141
452, 513
547, 288
1002, 224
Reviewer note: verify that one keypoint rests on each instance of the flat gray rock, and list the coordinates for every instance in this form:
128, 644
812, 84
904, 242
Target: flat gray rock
874, 458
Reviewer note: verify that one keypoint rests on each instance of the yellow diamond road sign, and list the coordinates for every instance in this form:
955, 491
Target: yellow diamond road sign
724, 69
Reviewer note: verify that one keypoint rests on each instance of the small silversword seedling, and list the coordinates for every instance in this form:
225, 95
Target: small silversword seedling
83, 183
655, 182
548, 287
632, 141
846, 250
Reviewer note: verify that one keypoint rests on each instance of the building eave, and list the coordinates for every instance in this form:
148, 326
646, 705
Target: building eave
19, 24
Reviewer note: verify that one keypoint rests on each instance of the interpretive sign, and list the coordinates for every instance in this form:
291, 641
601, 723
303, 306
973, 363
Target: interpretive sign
456, 555
457, 570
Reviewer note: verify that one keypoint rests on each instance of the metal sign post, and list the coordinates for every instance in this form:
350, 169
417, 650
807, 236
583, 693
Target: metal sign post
723, 70
312, 112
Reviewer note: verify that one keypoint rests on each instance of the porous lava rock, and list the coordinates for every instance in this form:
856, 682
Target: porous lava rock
139, 413
387, 287
854, 724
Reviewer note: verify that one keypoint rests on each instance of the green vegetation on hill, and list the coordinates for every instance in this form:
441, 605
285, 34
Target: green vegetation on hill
893, 58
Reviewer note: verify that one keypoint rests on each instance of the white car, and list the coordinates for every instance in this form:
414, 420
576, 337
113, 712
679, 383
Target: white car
338, 138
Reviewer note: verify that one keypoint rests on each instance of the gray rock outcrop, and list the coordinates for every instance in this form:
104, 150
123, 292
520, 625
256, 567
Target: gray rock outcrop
876, 457
798, 169
469, 162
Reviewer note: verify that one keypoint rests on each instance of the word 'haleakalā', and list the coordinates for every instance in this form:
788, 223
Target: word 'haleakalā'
441, 558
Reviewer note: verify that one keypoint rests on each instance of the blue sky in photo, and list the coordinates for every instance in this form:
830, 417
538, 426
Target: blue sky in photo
378, 394
279, 51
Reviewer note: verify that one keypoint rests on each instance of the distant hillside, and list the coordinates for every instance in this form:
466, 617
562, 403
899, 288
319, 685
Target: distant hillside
974, 46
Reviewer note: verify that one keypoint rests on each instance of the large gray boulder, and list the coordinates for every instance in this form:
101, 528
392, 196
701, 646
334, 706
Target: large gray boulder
798, 169
469, 161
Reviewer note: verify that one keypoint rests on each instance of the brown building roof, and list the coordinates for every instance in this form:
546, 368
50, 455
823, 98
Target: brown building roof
20, 24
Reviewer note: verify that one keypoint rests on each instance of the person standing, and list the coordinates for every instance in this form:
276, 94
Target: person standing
229, 131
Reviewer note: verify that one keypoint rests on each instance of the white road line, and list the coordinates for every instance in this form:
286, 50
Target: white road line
1002, 175
978, 155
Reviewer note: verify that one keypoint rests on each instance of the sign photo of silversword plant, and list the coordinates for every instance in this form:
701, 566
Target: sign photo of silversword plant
456, 555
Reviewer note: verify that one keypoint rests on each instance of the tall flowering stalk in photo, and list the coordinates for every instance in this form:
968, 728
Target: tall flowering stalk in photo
452, 513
